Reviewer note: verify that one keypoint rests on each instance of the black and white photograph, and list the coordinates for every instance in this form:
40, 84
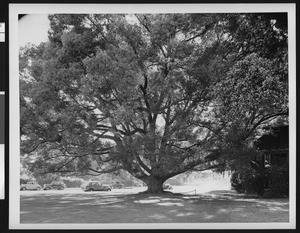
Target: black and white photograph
158, 116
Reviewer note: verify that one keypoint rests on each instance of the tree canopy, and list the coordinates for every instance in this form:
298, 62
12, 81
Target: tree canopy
153, 94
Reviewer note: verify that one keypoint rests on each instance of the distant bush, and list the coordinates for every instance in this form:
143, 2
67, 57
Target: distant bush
72, 183
24, 181
46, 179
174, 182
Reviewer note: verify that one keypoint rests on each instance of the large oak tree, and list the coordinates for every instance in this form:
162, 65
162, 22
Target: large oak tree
153, 94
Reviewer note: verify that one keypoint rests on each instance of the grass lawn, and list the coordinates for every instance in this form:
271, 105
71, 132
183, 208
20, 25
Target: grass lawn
126, 207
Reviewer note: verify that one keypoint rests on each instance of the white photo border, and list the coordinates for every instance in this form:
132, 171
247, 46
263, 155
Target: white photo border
14, 112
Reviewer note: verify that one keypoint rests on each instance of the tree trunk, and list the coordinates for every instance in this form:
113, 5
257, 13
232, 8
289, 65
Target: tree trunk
155, 184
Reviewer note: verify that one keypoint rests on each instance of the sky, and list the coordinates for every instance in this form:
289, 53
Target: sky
33, 28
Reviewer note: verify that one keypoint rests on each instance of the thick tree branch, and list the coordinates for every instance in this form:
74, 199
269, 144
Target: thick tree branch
206, 28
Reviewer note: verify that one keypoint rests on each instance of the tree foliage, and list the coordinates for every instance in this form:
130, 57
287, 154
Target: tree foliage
254, 92
153, 94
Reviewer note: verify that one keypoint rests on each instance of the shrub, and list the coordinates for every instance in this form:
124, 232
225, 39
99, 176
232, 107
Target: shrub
276, 178
245, 183
279, 181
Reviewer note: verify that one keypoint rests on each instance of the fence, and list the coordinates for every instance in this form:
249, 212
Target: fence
190, 192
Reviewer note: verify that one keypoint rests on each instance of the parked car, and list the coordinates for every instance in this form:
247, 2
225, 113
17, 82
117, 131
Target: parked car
59, 185
31, 185
96, 186
167, 186
118, 185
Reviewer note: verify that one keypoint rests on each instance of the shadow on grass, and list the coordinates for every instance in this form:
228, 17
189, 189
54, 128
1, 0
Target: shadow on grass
100, 207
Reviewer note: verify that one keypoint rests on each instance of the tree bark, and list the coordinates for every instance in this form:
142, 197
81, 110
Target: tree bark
155, 184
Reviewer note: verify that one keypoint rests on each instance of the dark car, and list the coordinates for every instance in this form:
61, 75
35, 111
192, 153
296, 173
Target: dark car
167, 186
118, 185
58, 185
96, 186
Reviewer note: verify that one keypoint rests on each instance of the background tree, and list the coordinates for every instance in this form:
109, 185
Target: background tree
254, 92
152, 94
